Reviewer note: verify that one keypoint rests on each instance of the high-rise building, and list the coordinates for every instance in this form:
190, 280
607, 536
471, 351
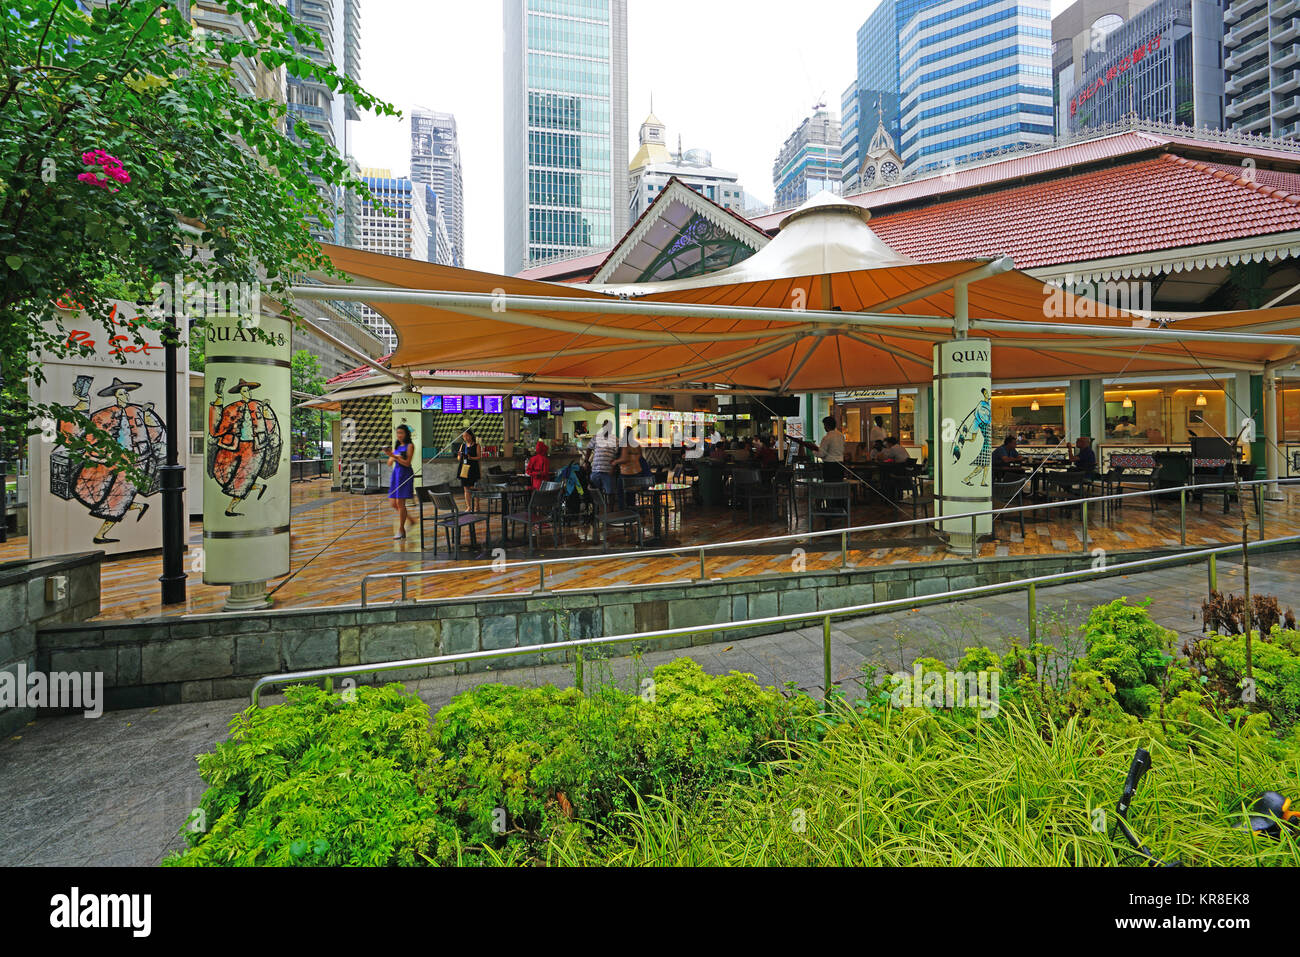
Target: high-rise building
313, 103
653, 166
441, 248
1083, 26
1261, 47
809, 161
1163, 64
565, 127
435, 159
975, 79
395, 224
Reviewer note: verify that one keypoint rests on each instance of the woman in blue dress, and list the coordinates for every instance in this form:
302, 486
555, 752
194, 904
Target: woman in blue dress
402, 485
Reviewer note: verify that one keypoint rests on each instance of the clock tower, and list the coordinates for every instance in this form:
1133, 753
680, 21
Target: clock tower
883, 166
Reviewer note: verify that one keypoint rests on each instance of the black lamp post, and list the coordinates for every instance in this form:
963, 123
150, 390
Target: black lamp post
171, 480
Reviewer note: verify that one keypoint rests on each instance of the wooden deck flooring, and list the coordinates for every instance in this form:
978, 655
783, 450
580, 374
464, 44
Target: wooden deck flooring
339, 538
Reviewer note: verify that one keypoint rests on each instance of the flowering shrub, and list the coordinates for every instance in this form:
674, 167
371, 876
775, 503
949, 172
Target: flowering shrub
111, 166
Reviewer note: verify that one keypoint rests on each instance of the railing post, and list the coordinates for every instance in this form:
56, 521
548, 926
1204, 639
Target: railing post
403, 588
703, 574
1182, 516
577, 669
1033, 613
844, 550
974, 538
1083, 509
1259, 509
541, 576
1213, 570
826, 657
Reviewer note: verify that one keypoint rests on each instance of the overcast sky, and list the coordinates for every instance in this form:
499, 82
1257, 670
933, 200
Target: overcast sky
731, 77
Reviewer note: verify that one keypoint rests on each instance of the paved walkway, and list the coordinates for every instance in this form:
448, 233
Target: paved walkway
114, 791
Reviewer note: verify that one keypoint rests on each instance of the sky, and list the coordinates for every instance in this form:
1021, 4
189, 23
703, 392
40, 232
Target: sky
731, 77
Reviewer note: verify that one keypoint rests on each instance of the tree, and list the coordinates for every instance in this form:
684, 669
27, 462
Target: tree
306, 378
128, 158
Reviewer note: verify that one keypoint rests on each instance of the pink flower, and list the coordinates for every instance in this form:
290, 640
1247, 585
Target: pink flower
111, 166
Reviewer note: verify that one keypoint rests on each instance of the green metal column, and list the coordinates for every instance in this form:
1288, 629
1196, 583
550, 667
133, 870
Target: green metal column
809, 432
1085, 410
1263, 430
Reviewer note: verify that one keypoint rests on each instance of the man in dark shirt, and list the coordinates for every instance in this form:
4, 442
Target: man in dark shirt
1085, 460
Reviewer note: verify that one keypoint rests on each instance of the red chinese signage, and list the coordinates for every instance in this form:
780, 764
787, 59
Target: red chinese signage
1151, 46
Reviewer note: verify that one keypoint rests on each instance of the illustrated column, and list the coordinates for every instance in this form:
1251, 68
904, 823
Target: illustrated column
246, 469
963, 457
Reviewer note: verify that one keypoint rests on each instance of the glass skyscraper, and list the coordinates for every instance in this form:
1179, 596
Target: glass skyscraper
955, 79
565, 128
976, 78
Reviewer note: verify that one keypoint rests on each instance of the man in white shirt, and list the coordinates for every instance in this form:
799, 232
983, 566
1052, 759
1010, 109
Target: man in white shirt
877, 433
831, 450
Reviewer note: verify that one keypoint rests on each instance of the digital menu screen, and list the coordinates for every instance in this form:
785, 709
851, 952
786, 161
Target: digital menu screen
492, 404
557, 406
451, 403
432, 403
530, 404
517, 403
472, 403
543, 404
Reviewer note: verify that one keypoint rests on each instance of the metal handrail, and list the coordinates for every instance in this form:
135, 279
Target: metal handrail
1032, 584
844, 533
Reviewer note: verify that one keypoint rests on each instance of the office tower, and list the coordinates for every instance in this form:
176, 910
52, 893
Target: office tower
809, 161
565, 128
405, 233
1162, 65
316, 105
435, 159
1084, 25
441, 247
975, 79
654, 165
1261, 48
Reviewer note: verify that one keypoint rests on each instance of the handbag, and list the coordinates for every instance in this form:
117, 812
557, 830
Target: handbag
464, 470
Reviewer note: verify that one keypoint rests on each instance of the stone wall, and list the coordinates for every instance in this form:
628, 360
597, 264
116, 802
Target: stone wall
23, 609
199, 658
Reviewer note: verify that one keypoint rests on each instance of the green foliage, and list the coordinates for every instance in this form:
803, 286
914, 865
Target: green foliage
1131, 650
1275, 657
321, 780
223, 187
305, 376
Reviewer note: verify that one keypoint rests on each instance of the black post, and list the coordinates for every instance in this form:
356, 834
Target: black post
4, 480
172, 482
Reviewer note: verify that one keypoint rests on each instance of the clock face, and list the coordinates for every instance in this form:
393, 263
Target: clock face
869, 174
889, 171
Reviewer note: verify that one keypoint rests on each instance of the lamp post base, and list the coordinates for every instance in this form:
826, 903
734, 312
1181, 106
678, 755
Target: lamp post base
248, 597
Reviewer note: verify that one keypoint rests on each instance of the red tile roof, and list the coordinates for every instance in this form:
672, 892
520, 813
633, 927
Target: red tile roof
1150, 205
1044, 162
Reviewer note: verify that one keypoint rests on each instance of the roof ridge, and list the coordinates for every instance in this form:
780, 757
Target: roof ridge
1200, 166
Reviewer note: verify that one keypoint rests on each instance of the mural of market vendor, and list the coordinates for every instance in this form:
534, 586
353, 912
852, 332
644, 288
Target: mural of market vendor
245, 446
108, 493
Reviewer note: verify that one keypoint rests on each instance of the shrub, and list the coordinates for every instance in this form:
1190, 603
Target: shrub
1131, 650
1275, 659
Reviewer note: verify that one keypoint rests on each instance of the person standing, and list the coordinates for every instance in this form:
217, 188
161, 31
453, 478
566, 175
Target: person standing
538, 467
877, 433
604, 448
468, 456
831, 450
402, 485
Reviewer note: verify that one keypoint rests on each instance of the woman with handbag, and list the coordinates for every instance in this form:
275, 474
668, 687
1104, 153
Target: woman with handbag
468, 456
